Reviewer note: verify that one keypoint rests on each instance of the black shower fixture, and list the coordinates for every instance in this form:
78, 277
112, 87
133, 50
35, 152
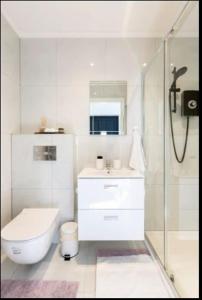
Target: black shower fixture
178, 73
173, 89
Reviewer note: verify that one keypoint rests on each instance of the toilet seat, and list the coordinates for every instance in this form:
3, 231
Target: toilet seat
29, 224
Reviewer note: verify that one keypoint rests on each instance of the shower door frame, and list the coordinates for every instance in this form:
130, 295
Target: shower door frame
162, 48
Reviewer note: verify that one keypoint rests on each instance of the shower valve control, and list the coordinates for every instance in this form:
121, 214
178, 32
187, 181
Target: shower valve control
190, 103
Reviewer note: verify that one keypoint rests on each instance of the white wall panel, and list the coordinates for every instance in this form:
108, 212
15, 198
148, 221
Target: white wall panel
38, 61
38, 183
10, 110
26, 172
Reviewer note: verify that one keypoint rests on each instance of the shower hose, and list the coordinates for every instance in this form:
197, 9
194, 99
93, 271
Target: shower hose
180, 160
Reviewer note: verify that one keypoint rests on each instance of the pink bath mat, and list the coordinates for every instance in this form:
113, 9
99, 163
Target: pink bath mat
38, 289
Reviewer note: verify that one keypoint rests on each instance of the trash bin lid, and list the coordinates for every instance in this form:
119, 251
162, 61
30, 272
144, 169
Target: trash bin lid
69, 227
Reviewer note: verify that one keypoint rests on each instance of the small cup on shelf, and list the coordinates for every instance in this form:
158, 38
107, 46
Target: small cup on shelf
61, 130
116, 164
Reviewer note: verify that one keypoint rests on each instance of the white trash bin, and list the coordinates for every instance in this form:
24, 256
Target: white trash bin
69, 239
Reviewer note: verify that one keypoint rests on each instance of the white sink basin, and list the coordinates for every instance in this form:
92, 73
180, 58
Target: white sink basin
122, 173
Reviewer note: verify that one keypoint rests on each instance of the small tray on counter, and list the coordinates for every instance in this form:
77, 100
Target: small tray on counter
49, 133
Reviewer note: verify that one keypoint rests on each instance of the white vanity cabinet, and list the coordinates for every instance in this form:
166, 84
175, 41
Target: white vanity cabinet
110, 206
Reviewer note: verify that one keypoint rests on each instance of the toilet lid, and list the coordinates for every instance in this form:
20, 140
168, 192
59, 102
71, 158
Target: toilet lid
29, 224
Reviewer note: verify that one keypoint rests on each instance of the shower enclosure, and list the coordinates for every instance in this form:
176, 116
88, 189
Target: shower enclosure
170, 138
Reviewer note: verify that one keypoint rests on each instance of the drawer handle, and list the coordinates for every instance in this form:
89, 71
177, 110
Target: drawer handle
108, 186
110, 218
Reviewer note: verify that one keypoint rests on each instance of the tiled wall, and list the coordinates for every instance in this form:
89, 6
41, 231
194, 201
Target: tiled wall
43, 183
183, 178
10, 110
55, 75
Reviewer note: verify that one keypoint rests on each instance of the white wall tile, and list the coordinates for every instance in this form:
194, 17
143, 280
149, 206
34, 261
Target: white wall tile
3, 29
189, 220
114, 59
180, 122
183, 206
35, 183
30, 198
121, 61
10, 105
30, 174
5, 161
38, 102
89, 147
190, 165
62, 168
154, 208
10, 60
8, 35
64, 200
134, 107
188, 197
5, 206
38, 61
74, 58
73, 108
10, 110
154, 155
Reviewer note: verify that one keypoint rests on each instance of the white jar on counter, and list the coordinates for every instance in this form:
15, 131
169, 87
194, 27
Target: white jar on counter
100, 163
116, 164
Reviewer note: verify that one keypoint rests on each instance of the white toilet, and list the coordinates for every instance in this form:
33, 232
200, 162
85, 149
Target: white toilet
28, 237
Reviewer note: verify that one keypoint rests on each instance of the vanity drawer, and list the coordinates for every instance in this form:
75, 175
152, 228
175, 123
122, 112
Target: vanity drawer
111, 225
111, 193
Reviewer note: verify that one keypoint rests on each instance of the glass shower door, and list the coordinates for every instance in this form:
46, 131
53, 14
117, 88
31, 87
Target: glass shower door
182, 199
153, 140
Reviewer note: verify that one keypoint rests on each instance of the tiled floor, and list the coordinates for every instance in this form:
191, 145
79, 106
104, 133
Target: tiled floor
81, 268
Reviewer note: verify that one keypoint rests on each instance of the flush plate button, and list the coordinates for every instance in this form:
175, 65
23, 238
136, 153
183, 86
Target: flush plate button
44, 153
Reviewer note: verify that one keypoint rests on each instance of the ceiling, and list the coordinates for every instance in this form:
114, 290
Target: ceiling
92, 18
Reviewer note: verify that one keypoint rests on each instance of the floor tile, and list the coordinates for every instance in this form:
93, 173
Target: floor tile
30, 272
7, 268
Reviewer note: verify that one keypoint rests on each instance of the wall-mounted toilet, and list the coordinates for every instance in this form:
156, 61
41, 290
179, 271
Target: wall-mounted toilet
28, 237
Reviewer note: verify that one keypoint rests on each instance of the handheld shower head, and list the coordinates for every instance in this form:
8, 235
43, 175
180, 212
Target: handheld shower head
178, 73
173, 88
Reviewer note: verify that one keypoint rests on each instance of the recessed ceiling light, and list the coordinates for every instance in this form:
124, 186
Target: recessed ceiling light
144, 64
92, 64
171, 64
